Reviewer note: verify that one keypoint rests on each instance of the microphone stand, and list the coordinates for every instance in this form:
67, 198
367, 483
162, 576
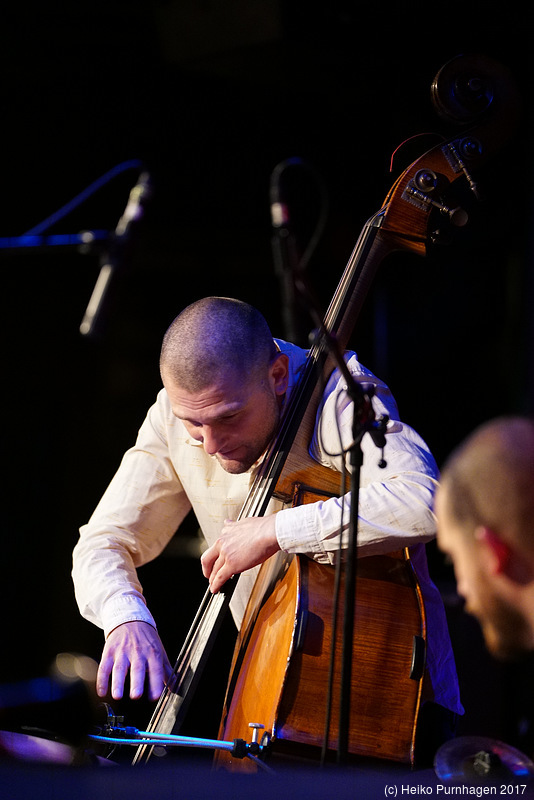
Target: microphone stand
82, 241
288, 265
38, 241
364, 421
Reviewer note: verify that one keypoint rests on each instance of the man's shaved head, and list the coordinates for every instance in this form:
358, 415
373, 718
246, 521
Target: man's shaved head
490, 480
214, 336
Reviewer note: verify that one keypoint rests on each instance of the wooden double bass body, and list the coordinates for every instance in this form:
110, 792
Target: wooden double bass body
282, 660
280, 672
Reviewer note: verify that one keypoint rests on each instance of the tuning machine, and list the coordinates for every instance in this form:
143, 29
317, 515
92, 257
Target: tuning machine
459, 152
421, 191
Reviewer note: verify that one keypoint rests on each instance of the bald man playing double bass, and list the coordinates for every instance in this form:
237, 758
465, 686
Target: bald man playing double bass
226, 382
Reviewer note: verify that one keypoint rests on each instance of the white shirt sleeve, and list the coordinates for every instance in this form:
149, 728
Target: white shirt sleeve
140, 511
395, 502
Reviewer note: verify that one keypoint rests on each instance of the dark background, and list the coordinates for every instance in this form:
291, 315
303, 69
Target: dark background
210, 97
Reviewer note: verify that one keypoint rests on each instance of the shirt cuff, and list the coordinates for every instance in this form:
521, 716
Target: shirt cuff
125, 608
296, 530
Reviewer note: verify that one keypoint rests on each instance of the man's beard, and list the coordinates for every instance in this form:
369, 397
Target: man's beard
506, 631
237, 467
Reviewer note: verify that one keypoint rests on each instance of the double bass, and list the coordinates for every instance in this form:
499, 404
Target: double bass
285, 673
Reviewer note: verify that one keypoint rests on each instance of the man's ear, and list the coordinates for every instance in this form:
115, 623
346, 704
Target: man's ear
497, 553
279, 371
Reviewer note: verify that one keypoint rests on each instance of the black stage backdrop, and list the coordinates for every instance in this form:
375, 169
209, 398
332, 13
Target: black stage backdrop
210, 97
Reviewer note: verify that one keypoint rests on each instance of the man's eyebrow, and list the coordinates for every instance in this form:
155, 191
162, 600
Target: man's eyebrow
224, 415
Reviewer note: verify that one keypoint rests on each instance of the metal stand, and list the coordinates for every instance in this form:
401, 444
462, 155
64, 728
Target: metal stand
292, 270
364, 421
239, 748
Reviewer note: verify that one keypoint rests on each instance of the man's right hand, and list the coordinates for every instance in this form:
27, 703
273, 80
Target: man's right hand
133, 647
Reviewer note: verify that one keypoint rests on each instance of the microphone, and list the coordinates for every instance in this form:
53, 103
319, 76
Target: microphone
288, 233
279, 208
284, 250
110, 261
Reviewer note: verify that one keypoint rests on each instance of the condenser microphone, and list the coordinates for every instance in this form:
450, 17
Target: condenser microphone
279, 208
111, 259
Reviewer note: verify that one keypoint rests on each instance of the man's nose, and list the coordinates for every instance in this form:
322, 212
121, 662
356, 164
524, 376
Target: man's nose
211, 440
